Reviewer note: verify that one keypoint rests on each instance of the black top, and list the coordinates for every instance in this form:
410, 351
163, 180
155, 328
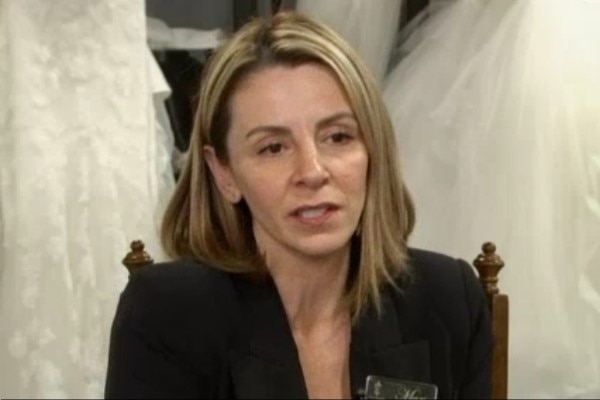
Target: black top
184, 330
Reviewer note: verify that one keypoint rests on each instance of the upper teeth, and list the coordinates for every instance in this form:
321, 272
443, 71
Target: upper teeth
313, 212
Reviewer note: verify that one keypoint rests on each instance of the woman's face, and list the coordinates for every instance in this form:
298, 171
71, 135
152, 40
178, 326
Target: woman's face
298, 159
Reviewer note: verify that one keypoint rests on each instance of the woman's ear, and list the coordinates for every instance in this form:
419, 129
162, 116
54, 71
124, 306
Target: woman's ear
222, 175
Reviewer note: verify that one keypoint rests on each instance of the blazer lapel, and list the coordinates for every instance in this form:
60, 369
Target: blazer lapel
267, 365
386, 346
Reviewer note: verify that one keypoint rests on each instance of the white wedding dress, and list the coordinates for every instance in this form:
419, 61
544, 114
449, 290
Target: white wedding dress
496, 110
370, 26
84, 169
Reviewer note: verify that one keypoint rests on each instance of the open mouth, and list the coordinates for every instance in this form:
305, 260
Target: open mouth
315, 214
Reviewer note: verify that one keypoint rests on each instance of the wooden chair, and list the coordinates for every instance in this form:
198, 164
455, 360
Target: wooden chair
137, 257
488, 264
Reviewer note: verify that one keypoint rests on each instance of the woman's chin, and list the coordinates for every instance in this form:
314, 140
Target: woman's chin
323, 247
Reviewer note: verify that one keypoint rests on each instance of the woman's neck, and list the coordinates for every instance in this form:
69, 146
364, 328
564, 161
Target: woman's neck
312, 290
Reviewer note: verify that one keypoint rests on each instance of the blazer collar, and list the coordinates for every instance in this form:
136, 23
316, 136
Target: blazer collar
268, 366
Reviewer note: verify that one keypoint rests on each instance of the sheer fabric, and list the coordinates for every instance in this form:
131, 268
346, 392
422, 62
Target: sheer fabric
496, 114
370, 26
84, 166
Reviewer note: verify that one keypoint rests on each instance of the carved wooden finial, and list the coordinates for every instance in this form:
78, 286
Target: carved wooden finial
137, 257
488, 265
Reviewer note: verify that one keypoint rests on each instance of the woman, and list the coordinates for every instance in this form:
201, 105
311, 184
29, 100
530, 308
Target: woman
290, 227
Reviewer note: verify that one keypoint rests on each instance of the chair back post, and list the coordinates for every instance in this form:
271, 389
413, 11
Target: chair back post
489, 264
137, 257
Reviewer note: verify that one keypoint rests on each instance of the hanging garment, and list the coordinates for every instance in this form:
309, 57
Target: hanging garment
496, 115
370, 26
181, 53
84, 166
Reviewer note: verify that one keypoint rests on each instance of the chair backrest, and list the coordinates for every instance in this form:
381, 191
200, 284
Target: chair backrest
488, 264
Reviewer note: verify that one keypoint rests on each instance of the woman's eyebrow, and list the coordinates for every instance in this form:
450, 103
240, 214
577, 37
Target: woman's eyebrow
275, 129
335, 117
283, 130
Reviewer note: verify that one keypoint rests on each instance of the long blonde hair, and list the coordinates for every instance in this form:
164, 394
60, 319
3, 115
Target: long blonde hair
200, 223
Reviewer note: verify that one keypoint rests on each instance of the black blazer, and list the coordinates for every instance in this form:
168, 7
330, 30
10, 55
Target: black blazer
184, 330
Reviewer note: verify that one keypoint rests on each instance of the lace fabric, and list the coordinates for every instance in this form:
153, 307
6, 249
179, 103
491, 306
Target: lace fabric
84, 168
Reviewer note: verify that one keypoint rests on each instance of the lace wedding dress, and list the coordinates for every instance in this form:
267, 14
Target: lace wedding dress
84, 169
496, 113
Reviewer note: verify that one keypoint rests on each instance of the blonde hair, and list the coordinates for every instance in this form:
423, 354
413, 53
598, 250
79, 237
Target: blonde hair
202, 224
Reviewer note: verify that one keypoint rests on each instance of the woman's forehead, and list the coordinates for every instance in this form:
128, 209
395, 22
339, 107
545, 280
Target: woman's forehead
309, 90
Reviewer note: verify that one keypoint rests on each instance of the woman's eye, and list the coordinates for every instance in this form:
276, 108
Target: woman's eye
272, 148
340, 137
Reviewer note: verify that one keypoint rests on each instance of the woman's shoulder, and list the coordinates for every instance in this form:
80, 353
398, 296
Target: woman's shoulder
182, 281
184, 278
173, 293
173, 319
448, 283
437, 268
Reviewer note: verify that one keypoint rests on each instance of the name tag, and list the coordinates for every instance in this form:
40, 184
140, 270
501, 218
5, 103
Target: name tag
387, 388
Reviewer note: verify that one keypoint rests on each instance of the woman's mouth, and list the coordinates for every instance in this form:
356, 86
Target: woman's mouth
315, 215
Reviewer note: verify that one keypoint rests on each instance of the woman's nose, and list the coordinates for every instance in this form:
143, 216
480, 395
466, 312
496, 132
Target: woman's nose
310, 169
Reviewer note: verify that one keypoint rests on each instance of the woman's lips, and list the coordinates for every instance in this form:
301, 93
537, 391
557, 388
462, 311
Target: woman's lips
315, 215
